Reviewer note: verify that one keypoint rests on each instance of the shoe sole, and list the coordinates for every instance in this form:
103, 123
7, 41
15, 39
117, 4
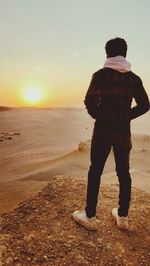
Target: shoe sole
85, 225
123, 227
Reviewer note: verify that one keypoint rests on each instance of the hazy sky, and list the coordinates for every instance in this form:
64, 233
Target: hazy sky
58, 44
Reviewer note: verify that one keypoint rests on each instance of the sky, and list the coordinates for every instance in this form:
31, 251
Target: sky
54, 46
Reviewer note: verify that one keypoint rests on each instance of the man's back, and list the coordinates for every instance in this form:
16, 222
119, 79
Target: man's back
110, 96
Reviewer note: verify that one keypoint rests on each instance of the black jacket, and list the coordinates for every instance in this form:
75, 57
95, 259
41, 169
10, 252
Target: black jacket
109, 98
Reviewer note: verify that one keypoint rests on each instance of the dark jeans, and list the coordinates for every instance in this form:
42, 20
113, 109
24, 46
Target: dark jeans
100, 149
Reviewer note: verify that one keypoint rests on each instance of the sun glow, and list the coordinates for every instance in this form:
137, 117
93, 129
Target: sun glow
33, 95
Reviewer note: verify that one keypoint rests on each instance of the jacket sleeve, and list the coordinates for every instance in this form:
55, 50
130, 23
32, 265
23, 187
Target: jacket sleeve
91, 98
141, 99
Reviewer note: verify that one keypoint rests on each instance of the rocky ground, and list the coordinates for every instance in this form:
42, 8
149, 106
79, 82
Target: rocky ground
41, 231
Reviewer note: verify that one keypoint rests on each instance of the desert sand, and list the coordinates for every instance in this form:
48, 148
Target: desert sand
44, 160
37, 144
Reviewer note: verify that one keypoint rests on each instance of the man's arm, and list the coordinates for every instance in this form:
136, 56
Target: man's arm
91, 98
142, 101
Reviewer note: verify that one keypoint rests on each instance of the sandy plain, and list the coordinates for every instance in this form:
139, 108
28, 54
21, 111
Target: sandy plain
38, 144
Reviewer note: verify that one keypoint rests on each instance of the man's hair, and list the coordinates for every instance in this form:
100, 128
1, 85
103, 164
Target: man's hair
116, 47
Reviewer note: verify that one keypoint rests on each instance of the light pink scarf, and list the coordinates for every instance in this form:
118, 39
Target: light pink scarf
118, 63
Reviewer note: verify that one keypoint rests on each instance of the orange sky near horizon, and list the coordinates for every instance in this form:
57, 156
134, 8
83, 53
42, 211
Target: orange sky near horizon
70, 94
16, 97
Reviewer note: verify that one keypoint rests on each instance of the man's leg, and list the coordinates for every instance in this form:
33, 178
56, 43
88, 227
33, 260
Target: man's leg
100, 149
122, 147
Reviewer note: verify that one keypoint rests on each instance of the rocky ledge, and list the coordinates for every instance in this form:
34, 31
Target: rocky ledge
41, 231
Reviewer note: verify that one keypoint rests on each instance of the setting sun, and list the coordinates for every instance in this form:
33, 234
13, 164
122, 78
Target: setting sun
33, 94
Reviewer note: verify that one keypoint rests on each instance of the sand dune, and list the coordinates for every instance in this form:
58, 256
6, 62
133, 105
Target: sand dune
36, 145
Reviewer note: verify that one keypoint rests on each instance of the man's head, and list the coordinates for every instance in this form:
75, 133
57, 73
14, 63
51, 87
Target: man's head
116, 47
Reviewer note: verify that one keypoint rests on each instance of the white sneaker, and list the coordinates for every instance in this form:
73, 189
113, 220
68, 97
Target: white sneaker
122, 222
81, 218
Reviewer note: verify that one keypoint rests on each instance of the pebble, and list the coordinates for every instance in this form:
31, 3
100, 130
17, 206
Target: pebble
9, 261
91, 244
100, 240
108, 245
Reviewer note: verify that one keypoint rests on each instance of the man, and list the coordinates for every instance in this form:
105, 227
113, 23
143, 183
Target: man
108, 101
